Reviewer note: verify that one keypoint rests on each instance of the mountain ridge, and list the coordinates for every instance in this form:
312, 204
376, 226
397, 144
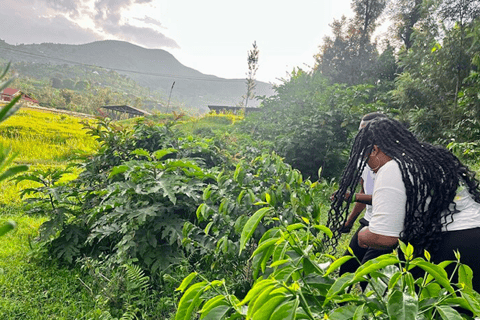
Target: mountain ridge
156, 69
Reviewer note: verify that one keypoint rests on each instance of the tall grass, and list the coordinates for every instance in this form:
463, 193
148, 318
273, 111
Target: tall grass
42, 137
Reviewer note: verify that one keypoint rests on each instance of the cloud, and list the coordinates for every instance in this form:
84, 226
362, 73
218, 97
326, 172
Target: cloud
149, 20
57, 29
108, 18
66, 6
36, 21
144, 36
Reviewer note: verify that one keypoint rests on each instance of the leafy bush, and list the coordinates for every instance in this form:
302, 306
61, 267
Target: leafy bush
294, 285
311, 123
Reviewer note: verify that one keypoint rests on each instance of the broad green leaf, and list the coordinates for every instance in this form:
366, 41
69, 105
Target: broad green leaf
337, 264
286, 310
324, 229
295, 226
375, 264
268, 198
216, 313
264, 245
394, 280
7, 226
358, 315
430, 291
189, 301
343, 313
339, 285
159, 154
117, 170
279, 262
267, 307
141, 152
213, 302
251, 225
465, 276
402, 306
473, 299
186, 281
256, 304
257, 287
208, 227
457, 301
435, 271
448, 313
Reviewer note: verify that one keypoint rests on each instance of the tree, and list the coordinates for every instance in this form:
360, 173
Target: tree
252, 70
405, 14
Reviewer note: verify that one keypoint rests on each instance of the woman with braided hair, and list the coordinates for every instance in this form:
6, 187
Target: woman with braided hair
422, 195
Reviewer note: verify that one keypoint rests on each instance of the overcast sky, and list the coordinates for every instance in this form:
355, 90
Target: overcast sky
211, 36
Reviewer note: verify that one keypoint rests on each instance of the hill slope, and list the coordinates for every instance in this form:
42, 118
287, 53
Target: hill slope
154, 68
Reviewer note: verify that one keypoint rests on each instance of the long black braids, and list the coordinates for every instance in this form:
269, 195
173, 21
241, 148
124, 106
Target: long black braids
338, 212
431, 175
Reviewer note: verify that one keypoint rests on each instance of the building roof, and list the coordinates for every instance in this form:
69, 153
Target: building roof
128, 109
10, 91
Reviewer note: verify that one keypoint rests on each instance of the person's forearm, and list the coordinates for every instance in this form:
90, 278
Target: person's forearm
363, 198
366, 239
357, 209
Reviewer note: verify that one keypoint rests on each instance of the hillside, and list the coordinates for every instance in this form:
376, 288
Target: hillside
154, 68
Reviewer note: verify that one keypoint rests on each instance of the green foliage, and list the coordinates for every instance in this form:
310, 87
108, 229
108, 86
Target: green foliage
310, 123
294, 285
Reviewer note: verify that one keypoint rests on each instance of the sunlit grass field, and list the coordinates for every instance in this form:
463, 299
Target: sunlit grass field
38, 290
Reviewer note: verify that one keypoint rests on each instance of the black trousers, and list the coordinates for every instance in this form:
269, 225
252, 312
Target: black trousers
467, 242
363, 254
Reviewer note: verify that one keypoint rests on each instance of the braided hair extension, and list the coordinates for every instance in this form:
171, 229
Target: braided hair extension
431, 175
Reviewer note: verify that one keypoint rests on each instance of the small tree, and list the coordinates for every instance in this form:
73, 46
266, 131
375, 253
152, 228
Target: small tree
252, 70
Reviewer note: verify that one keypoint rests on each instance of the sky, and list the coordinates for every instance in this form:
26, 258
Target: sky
211, 36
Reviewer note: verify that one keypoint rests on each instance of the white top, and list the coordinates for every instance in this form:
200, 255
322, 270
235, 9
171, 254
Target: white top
389, 198
368, 177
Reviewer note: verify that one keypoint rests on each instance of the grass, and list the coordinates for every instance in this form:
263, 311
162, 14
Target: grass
34, 289
60, 137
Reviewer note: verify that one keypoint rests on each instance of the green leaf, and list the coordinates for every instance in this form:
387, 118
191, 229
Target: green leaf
295, 226
286, 310
375, 264
7, 226
337, 264
264, 245
339, 285
402, 306
343, 313
216, 313
257, 288
251, 225
279, 262
159, 154
267, 307
358, 315
13, 171
190, 300
465, 276
117, 170
435, 271
473, 299
324, 229
448, 313
186, 281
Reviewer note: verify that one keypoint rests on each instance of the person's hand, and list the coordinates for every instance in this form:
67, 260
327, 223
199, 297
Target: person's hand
346, 228
346, 196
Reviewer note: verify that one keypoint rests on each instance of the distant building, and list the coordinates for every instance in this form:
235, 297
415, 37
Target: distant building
9, 93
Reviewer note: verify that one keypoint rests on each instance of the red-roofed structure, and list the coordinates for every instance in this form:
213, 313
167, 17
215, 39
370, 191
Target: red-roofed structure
9, 93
